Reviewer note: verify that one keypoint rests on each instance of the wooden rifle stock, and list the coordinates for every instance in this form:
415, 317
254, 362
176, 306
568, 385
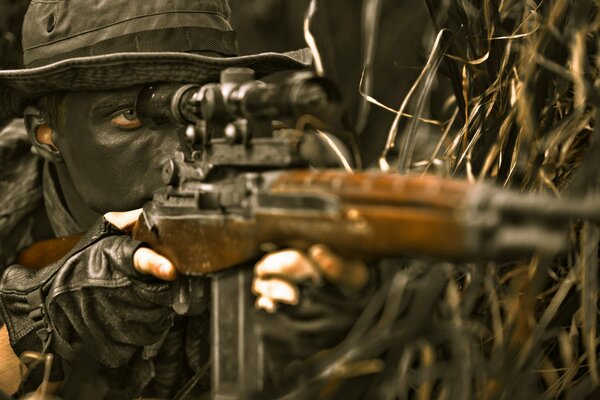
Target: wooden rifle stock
45, 252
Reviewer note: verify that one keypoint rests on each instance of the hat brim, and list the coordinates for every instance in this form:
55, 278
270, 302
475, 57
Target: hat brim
120, 70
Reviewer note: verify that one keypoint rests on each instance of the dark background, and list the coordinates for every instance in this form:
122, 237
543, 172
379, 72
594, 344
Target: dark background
404, 31
276, 25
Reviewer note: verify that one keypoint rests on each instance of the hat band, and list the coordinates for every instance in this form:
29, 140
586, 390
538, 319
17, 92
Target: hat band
180, 39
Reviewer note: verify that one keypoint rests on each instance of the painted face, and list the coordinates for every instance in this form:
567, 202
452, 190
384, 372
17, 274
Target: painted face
115, 162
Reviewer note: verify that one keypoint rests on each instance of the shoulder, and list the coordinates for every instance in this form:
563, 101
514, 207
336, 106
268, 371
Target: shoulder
17, 161
13, 138
20, 190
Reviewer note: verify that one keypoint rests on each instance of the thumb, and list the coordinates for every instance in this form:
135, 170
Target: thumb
350, 275
124, 220
148, 262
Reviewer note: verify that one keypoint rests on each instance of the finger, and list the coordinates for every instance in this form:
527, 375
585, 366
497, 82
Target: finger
123, 220
148, 262
10, 364
278, 290
265, 303
348, 274
289, 264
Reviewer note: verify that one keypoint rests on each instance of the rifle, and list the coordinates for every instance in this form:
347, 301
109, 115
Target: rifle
245, 187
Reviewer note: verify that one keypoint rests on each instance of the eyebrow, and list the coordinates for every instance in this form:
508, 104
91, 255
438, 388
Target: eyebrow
106, 107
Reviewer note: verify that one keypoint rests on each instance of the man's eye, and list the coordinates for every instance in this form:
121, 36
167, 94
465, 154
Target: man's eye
127, 120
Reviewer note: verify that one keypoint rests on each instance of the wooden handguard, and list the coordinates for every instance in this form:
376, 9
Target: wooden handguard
46, 252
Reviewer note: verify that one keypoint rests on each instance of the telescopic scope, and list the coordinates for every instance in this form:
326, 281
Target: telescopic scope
237, 96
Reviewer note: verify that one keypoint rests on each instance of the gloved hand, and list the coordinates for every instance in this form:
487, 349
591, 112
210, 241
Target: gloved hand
278, 274
145, 260
310, 300
96, 295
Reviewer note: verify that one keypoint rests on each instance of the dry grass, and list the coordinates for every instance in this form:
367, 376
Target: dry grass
524, 77
525, 82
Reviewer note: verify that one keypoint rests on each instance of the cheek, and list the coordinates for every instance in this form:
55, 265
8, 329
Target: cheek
120, 171
148, 159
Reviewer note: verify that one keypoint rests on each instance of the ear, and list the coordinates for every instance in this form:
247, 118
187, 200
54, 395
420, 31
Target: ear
41, 135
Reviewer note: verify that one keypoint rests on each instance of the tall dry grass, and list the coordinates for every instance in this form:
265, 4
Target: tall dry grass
525, 98
524, 76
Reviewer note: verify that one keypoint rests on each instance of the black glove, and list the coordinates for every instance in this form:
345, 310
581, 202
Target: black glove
92, 298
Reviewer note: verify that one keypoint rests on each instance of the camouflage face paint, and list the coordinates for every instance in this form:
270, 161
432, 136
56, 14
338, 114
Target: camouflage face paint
114, 161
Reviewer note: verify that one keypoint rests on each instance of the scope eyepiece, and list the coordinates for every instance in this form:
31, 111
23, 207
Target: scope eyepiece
163, 104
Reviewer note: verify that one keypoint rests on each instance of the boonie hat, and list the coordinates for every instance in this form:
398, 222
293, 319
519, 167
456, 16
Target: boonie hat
71, 45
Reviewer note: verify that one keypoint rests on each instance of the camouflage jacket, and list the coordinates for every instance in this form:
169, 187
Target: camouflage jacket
21, 193
30, 206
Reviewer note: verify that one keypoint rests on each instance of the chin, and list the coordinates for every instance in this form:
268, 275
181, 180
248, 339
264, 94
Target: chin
120, 204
